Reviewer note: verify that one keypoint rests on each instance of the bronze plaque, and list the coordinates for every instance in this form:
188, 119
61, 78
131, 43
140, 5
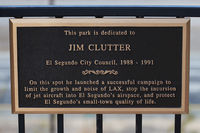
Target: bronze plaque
100, 65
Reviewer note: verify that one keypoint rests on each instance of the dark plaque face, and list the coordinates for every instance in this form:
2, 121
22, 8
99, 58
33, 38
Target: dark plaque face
100, 66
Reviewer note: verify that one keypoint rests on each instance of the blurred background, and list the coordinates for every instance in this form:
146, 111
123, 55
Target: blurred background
112, 123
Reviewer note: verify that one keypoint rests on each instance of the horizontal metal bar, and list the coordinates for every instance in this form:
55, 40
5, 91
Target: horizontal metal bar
42, 11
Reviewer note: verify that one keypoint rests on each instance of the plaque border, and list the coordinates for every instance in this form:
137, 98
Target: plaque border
101, 22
